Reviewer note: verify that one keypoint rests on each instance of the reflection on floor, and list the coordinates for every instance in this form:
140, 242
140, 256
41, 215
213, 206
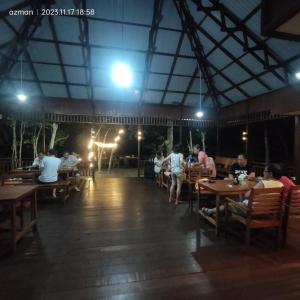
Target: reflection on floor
120, 239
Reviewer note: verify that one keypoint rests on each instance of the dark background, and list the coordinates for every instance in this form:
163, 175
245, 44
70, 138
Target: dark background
280, 137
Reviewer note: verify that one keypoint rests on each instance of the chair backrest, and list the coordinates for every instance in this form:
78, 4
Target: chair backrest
266, 201
293, 201
213, 172
194, 173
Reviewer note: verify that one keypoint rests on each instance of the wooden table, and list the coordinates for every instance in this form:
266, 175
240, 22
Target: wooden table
10, 196
221, 188
62, 171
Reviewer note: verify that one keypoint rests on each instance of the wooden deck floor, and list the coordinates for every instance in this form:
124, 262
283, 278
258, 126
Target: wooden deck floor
119, 239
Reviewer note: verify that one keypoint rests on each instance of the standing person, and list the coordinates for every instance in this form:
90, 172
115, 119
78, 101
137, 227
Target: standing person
202, 157
157, 162
241, 168
38, 161
177, 171
70, 161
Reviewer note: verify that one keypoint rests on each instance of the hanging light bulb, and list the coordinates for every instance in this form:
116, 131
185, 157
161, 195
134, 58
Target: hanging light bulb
200, 113
21, 96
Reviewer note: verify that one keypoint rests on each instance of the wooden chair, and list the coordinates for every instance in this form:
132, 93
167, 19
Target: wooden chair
264, 210
195, 174
291, 210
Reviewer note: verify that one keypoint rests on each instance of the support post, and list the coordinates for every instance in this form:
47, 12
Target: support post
297, 149
218, 141
139, 151
170, 138
266, 141
180, 133
246, 142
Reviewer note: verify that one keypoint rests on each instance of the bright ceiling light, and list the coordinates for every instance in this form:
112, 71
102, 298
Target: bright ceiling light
22, 97
117, 138
199, 114
122, 75
121, 131
297, 75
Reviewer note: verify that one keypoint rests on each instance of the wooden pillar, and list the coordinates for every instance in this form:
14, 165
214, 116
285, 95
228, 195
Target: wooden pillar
180, 133
170, 138
218, 141
297, 149
266, 142
246, 142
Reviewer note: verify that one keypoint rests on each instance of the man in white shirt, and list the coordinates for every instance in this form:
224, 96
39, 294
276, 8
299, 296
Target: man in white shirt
71, 161
38, 161
51, 165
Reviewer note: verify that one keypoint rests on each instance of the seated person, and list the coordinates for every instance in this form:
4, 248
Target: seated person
271, 179
202, 157
191, 159
49, 171
71, 161
241, 168
38, 161
157, 162
287, 182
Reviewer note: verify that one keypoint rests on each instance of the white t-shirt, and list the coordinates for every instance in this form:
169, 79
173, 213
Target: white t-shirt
38, 162
50, 169
157, 163
70, 162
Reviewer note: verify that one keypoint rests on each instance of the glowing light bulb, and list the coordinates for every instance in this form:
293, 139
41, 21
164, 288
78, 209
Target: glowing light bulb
122, 75
22, 97
199, 114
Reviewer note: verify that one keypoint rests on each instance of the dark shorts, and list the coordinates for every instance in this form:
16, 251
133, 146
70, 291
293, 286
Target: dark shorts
41, 182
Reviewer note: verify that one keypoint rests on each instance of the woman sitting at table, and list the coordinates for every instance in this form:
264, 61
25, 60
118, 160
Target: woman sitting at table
177, 171
271, 179
203, 160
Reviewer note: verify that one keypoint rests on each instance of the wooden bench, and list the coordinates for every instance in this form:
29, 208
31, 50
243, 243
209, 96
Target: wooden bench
223, 165
61, 184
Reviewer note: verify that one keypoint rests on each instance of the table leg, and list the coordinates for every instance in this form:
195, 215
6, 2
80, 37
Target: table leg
190, 197
218, 199
33, 207
198, 230
13, 226
21, 215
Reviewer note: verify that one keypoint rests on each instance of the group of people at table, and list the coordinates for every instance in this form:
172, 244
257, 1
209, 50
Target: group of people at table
49, 166
238, 173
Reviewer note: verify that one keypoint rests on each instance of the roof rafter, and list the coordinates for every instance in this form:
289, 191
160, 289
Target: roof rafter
95, 85
173, 66
111, 48
27, 55
58, 52
157, 17
189, 24
247, 35
20, 42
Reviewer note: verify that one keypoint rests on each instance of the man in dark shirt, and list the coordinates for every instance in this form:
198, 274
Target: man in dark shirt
241, 167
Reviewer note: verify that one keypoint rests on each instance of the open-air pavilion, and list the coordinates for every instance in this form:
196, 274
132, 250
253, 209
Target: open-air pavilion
227, 68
